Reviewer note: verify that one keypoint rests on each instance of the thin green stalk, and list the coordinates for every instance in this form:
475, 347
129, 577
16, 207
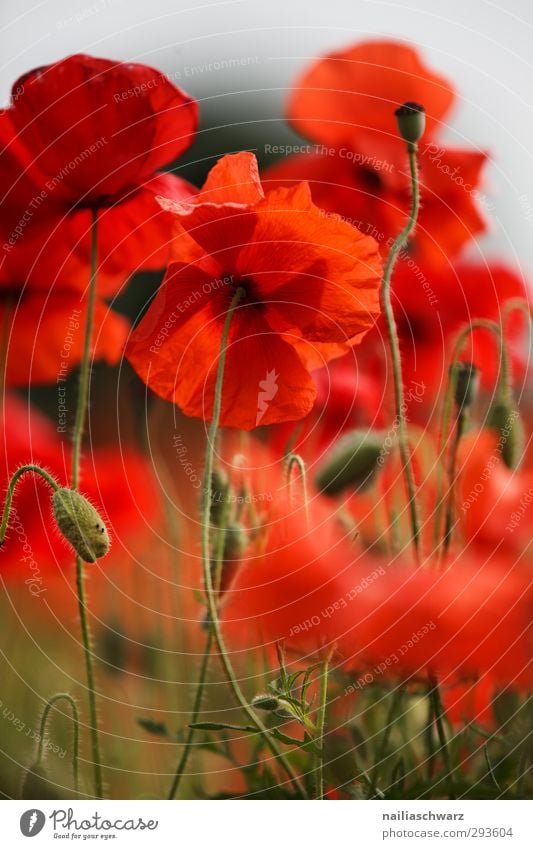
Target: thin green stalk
200, 686
29, 467
76, 741
81, 413
85, 366
452, 475
320, 724
438, 713
447, 408
389, 722
394, 342
206, 559
195, 713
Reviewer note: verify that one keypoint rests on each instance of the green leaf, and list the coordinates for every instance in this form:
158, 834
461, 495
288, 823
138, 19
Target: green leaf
158, 729
220, 726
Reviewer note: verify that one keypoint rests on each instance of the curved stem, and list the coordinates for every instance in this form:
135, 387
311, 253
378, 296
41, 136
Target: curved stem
76, 723
29, 467
296, 460
81, 412
206, 560
483, 324
398, 244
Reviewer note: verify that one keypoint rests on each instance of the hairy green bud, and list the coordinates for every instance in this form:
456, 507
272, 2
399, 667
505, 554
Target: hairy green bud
504, 418
265, 702
352, 463
81, 524
466, 384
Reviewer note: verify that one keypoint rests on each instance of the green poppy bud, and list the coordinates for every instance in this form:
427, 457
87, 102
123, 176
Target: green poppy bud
81, 524
504, 418
352, 463
265, 702
411, 120
218, 494
466, 384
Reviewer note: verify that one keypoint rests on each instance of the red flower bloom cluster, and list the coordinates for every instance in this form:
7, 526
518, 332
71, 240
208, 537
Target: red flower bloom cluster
83, 134
357, 166
357, 170
310, 286
314, 589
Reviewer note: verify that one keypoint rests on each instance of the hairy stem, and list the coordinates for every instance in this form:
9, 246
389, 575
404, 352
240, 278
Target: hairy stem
206, 559
79, 424
76, 724
394, 343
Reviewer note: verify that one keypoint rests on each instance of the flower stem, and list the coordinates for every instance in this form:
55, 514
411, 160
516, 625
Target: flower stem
394, 708
29, 467
76, 723
438, 713
403, 440
321, 723
200, 686
296, 460
81, 413
206, 559
440, 497
195, 713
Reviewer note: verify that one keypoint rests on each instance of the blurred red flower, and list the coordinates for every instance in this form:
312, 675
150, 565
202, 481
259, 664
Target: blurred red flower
492, 501
120, 482
311, 286
357, 167
286, 583
308, 585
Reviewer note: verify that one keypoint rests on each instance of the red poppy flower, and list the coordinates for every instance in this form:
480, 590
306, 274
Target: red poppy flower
430, 309
45, 335
349, 97
492, 501
53, 169
470, 619
306, 584
97, 129
306, 280
369, 198
294, 586
357, 167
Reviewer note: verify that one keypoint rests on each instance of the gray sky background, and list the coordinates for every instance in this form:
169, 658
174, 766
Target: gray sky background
483, 47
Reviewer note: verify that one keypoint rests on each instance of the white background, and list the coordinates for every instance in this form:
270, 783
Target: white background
484, 47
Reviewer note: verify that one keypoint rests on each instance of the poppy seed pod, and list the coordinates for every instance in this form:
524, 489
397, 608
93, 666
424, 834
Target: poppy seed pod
505, 419
81, 524
352, 462
411, 120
